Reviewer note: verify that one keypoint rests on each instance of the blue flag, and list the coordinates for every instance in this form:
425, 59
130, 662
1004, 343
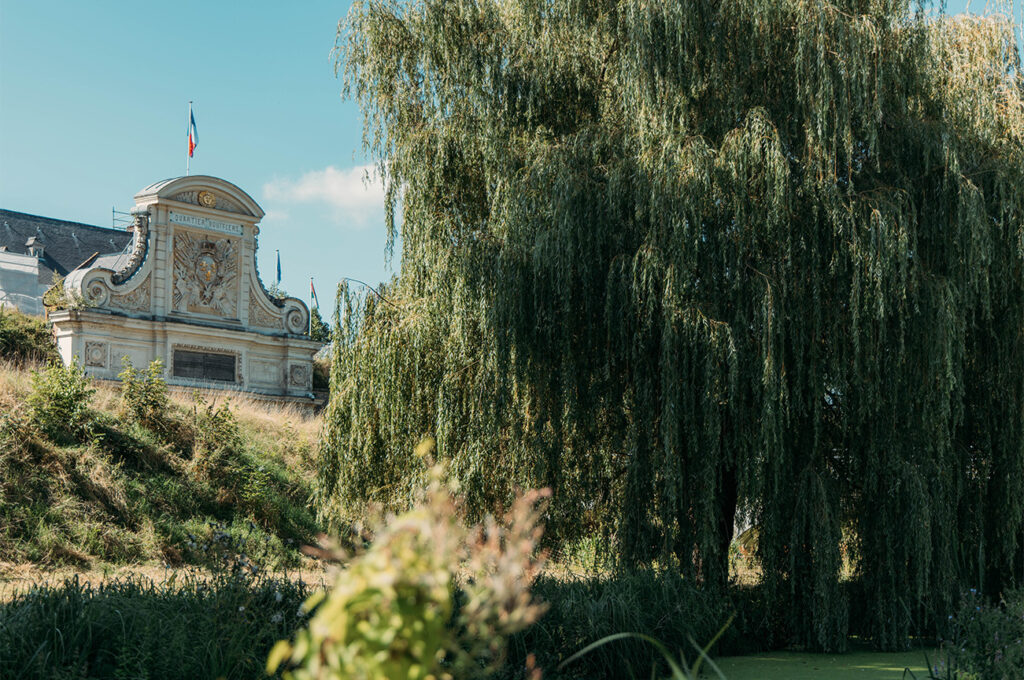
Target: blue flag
279, 267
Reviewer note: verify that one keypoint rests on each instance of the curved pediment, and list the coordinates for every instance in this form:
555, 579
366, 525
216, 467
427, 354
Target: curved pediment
204, 191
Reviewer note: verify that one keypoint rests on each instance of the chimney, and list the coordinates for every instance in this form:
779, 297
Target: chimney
35, 247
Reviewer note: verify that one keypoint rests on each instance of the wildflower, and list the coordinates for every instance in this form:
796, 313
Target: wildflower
278, 596
276, 618
241, 608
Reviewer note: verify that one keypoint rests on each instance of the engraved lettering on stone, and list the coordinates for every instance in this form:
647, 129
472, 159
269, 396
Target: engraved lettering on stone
205, 271
136, 300
239, 379
96, 354
206, 223
259, 316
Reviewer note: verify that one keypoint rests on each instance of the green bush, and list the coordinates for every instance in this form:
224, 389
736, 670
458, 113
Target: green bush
217, 441
985, 640
59, 402
25, 339
144, 395
321, 374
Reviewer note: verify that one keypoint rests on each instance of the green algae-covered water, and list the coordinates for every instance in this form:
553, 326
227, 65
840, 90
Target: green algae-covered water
802, 666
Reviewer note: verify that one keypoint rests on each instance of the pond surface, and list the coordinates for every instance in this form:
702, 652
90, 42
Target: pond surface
802, 666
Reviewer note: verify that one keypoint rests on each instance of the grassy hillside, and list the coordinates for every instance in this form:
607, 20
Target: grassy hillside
88, 476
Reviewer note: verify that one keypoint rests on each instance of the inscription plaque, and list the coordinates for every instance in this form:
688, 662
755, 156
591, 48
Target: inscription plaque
204, 365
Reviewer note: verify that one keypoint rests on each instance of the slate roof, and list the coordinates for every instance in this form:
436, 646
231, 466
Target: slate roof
67, 244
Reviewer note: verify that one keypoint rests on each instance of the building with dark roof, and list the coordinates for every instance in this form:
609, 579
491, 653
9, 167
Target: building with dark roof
34, 248
185, 291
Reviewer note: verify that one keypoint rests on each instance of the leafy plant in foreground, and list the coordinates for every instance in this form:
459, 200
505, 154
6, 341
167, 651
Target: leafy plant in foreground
429, 598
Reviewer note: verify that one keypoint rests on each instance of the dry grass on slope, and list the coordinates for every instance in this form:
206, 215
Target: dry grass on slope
219, 477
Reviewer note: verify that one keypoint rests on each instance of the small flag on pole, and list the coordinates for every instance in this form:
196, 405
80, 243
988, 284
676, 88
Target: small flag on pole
279, 267
312, 294
193, 136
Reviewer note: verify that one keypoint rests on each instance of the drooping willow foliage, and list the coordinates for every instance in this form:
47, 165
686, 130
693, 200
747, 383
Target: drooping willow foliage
680, 260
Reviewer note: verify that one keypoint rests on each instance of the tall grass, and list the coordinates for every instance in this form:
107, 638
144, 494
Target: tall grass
646, 605
185, 627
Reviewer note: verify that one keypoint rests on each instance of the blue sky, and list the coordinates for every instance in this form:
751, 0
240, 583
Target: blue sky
93, 107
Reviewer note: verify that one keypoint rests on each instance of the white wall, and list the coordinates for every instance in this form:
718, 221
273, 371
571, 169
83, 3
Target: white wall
19, 283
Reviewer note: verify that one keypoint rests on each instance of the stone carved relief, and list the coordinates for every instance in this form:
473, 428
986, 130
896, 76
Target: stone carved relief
218, 203
296, 321
205, 274
137, 300
298, 375
259, 316
96, 354
96, 293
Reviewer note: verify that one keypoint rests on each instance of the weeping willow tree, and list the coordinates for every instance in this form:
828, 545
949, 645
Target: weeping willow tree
683, 260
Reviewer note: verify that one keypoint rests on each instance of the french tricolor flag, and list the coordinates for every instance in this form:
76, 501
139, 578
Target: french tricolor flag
193, 136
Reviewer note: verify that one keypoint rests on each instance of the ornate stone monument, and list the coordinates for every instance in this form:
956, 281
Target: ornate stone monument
187, 292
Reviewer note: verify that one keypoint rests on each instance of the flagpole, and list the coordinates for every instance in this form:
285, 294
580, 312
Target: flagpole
310, 332
188, 134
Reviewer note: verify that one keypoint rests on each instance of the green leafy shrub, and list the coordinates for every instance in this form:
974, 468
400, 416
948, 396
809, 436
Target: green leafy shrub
321, 374
430, 598
985, 640
217, 441
144, 395
59, 402
25, 339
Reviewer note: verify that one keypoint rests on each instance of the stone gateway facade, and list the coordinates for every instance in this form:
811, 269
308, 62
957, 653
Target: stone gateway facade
188, 293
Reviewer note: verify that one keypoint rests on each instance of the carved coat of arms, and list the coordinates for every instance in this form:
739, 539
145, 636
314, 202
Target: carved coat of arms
205, 270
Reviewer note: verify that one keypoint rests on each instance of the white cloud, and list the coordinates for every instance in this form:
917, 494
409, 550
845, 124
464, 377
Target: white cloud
354, 200
276, 216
